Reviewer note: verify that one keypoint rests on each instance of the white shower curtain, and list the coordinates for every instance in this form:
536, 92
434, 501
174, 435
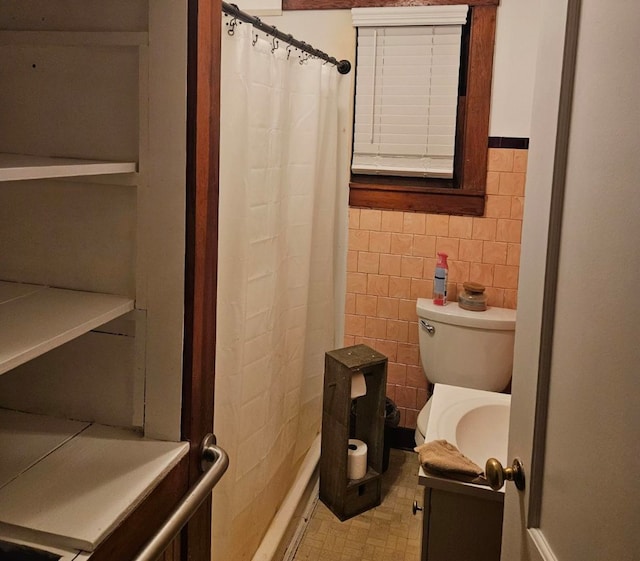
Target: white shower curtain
278, 184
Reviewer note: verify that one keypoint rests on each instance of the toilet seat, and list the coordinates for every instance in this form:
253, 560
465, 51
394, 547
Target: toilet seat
421, 425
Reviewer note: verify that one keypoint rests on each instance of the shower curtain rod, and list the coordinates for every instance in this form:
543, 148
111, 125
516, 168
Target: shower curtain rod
344, 66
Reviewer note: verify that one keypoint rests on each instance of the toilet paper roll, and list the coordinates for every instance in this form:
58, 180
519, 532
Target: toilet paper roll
358, 385
356, 459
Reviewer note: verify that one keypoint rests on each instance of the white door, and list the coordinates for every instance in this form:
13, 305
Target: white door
577, 356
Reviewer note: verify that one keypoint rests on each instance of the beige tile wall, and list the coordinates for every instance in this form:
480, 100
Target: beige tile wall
391, 261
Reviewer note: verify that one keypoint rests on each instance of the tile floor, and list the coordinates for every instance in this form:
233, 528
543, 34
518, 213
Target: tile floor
389, 532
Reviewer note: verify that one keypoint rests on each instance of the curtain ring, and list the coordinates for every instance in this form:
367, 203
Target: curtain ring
289, 45
324, 56
304, 56
232, 25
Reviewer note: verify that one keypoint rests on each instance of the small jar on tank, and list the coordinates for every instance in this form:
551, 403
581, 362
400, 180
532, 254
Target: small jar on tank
473, 297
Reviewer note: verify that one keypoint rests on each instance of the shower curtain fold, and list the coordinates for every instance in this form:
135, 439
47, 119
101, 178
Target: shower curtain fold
278, 183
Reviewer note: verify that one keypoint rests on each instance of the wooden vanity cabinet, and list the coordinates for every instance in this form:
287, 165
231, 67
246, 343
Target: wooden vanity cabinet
461, 521
109, 133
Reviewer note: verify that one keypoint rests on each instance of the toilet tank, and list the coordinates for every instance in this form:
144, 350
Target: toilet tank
466, 348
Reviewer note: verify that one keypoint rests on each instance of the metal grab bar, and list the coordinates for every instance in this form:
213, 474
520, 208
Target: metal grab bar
214, 464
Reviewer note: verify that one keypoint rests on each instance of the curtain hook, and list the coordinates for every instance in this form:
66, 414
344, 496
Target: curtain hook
274, 41
232, 25
289, 39
304, 56
255, 40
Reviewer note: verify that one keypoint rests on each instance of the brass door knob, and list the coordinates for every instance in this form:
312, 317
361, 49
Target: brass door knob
496, 475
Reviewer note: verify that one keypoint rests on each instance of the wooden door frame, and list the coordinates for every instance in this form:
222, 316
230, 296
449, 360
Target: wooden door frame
203, 148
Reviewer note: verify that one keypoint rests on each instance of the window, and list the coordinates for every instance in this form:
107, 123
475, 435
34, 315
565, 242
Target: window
408, 65
464, 194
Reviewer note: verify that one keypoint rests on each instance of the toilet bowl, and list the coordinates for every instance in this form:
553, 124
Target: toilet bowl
468, 349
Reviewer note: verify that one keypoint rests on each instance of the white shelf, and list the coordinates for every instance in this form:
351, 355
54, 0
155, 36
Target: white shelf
20, 167
29, 438
80, 490
35, 319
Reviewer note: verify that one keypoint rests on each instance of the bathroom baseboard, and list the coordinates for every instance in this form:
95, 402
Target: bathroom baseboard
290, 520
303, 522
508, 142
402, 438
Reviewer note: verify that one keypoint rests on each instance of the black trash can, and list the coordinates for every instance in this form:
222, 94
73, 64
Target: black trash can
391, 421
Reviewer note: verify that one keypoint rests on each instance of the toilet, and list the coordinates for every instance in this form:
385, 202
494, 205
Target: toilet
464, 348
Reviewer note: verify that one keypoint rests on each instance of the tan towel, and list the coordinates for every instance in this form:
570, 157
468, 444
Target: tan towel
443, 459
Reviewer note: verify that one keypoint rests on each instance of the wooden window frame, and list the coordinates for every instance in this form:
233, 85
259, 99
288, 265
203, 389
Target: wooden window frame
465, 193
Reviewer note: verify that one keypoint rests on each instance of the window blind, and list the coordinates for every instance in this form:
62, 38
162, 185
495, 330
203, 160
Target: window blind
406, 99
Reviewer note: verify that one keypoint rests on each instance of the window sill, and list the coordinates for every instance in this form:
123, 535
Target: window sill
437, 196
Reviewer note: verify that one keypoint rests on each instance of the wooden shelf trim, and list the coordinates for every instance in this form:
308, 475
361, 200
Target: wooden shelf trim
35, 319
75, 38
20, 167
74, 494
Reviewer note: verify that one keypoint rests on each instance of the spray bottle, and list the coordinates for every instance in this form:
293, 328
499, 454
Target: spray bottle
440, 280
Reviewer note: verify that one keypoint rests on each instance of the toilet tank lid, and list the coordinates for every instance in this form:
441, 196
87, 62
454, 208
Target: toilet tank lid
492, 318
